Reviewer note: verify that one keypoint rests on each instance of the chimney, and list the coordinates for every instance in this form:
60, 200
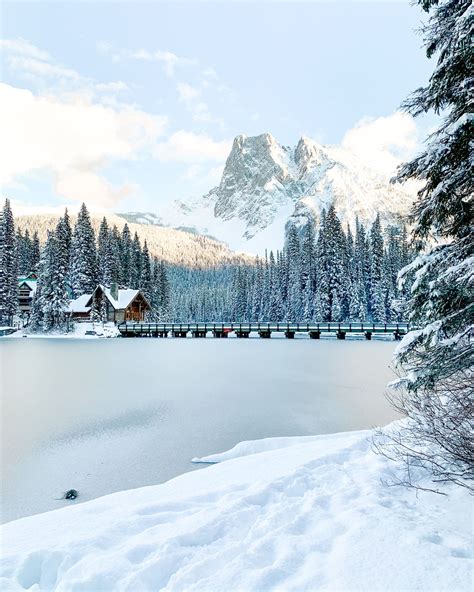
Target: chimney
114, 290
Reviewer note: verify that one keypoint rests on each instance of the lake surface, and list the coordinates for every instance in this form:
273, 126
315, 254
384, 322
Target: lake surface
105, 415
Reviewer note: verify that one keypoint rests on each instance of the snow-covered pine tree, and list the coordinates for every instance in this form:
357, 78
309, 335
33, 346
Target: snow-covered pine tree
67, 233
319, 314
23, 251
136, 262
334, 255
63, 245
322, 300
165, 304
239, 291
293, 258
274, 304
155, 301
35, 252
436, 389
125, 257
83, 273
308, 260
377, 284
257, 290
104, 254
8, 265
336, 307
51, 298
114, 254
146, 280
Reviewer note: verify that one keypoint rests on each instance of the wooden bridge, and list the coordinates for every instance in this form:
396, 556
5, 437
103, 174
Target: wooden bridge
264, 330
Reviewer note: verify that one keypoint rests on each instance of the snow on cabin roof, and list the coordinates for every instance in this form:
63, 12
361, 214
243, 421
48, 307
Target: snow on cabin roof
79, 304
32, 284
125, 297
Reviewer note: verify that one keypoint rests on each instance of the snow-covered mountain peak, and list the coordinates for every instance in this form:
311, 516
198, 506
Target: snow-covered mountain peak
265, 186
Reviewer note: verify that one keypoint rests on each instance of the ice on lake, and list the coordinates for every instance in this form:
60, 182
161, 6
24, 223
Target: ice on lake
106, 415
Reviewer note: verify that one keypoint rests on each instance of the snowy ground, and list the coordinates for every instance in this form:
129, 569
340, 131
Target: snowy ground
291, 514
79, 331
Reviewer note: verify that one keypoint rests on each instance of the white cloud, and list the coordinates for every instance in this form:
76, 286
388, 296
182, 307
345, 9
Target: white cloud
71, 139
40, 69
75, 184
168, 59
384, 142
171, 60
186, 92
23, 47
190, 96
188, 147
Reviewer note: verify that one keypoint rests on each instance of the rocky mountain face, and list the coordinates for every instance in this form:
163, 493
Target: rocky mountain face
265, 186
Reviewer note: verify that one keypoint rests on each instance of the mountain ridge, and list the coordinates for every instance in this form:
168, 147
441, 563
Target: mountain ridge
173, 246
265, 186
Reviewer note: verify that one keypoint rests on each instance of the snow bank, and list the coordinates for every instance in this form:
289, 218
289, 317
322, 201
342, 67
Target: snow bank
310, 514
265, 444
80, 331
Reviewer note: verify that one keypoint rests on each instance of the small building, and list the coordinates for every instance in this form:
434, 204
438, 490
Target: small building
116, 305
78, 308
26, 291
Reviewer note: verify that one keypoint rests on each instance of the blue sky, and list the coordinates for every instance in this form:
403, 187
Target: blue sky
129, 105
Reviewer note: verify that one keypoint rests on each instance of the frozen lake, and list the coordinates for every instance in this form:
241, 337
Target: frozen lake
105, 415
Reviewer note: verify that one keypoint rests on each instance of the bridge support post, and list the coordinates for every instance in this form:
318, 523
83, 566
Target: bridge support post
242, 334
290, 334
341, 334
368, 335
265, 334
220, 334
180, 333
314, 334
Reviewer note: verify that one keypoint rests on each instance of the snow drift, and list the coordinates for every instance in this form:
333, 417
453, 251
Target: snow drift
310, 515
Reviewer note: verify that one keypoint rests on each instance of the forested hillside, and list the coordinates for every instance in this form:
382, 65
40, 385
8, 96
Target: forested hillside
169, 245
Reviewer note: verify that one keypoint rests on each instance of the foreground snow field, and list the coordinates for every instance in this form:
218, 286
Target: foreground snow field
297, 514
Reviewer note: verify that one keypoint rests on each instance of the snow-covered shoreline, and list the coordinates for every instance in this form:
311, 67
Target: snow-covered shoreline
306, 513
80, 331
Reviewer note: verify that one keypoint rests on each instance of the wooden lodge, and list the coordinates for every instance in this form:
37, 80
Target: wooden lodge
26, 290
117, 305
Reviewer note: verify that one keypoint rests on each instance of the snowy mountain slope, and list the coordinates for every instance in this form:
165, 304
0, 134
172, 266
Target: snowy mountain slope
264, 185
168, 244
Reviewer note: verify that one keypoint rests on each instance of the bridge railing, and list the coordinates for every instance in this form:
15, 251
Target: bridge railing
328, 327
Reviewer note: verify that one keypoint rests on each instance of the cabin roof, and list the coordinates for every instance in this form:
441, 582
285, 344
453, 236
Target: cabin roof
125, 297
79, 304
31, 284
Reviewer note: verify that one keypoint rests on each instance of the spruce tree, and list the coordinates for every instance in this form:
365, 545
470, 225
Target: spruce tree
136, 263
35, 252
436, 390
63, 247
125, 257
334, 245
105, 254
165, 304
8, 265
51, 298
84, 272
377, 280
293, 258
145, 283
